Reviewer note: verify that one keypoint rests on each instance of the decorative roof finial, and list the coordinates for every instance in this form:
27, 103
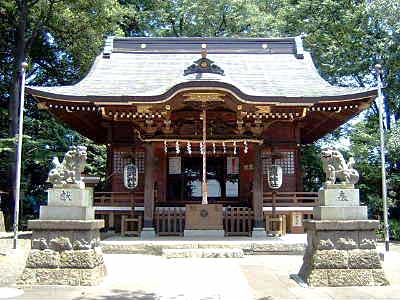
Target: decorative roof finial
108, 47
203, 65
378, 68
204, 50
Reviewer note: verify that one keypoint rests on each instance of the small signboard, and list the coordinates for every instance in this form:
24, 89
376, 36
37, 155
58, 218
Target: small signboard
274, 177
130, 176
232, 165
297, 220
174, 167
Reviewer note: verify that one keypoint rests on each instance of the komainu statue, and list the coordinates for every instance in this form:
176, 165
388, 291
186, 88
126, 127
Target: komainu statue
335, 167
69, 171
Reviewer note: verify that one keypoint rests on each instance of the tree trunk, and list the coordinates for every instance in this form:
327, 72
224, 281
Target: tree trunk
13, 105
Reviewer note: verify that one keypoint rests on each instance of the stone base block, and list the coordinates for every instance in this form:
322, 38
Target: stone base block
65, 224
64, 267
339, 197
203, 233
259, 232
70, 197
202, 253
346, 277
2, 224
148, 233
341, 253
60, 276
68, 234
66, 213
340, 213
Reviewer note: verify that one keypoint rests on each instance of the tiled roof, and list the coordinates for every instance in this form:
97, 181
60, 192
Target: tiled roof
145, 69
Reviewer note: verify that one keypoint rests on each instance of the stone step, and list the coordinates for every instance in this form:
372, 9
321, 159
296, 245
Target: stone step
203, 253
155, 247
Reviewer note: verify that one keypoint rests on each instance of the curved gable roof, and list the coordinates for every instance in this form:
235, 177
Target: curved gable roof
151, 69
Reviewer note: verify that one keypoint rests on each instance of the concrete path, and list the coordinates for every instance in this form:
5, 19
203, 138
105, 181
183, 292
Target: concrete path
262, 277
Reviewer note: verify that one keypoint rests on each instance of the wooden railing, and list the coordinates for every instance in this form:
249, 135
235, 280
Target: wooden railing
169, 220
238, 220
291, 199
117, 198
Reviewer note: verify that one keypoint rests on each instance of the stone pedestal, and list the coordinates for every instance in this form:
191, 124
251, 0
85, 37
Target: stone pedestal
340, 213
65, 241
204, 220
341, 253
64, 252
68, 204
148, 233
258, 232
2, 224
341, 249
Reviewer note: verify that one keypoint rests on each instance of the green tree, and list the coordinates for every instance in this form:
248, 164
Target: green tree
205, 18
59, 40
347, 38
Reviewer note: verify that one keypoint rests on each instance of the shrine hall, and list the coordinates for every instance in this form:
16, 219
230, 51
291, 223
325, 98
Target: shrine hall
195, 127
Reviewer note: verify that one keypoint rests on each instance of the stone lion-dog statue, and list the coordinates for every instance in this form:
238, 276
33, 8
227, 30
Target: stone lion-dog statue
69, 171
335, 167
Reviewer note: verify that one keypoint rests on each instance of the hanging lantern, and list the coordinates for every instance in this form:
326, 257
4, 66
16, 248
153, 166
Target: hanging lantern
234, 148
130, 176
246, 148
224, 146
165, 147
178, 150
274, 174
214, 150
189, 148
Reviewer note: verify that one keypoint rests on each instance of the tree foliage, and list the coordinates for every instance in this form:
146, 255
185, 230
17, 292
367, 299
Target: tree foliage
206, 18
61, 38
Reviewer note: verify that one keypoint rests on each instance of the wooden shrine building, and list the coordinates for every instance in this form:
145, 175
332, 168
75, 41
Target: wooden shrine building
167, 107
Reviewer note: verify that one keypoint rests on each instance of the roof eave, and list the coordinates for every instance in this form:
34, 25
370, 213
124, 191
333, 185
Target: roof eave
182, 87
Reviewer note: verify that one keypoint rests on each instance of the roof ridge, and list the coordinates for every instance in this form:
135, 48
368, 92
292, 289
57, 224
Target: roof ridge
253, 45
292, 38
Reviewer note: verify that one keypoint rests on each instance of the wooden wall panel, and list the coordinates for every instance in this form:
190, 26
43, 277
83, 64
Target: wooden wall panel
280, 132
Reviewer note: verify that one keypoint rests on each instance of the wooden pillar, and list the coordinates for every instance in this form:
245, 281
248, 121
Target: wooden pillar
148, 185
298, 169
258, 188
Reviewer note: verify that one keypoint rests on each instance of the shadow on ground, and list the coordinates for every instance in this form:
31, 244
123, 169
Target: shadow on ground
120, 295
